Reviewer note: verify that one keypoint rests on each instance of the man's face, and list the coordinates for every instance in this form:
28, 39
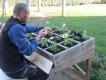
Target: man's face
24, 16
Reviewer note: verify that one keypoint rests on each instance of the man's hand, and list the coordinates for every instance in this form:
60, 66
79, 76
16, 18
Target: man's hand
47, 29
41, 34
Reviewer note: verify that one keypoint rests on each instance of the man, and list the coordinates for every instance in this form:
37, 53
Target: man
14, 44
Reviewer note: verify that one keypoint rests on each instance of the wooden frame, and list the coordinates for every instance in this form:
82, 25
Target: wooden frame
72, 70
66, 61
71, 66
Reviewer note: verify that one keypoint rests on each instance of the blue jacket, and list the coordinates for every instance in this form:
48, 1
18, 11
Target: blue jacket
14, 44
17, 35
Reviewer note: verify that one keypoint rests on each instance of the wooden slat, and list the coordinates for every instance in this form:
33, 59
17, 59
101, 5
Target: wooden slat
73, 72
79, 69
75, 60
67, 54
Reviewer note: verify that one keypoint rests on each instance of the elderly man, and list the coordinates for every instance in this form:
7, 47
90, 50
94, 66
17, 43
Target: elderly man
14, 44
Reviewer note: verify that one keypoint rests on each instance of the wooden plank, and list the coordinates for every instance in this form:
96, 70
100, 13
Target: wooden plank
57, 75
72, 72
42, 62
88, 54
66, 55
79, 69
88, 44
88, 69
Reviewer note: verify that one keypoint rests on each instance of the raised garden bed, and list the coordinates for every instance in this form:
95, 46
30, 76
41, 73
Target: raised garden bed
60, 46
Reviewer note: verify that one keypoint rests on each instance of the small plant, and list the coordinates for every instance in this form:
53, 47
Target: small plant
54, 47
84, 34
77, 38
65, 35
68, 41
80, 36
44, 42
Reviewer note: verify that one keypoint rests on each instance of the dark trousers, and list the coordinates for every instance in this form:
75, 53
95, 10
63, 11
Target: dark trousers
31, 72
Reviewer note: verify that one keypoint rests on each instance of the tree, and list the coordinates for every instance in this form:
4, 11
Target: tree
4, 7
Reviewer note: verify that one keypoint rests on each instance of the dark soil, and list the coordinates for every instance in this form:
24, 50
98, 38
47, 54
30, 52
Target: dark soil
81, 40
57, 39
53, 52
50, 35
73, 44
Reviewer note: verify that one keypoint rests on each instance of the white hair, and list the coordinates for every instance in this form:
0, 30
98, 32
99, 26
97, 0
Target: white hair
19, 7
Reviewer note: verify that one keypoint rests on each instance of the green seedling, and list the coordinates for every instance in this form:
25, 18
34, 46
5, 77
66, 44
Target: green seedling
54, 47
84, 34
76, 37
44, 42
65, 35
68, 41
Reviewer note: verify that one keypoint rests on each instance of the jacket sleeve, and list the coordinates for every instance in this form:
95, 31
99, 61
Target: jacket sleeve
17, 35
32, 28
